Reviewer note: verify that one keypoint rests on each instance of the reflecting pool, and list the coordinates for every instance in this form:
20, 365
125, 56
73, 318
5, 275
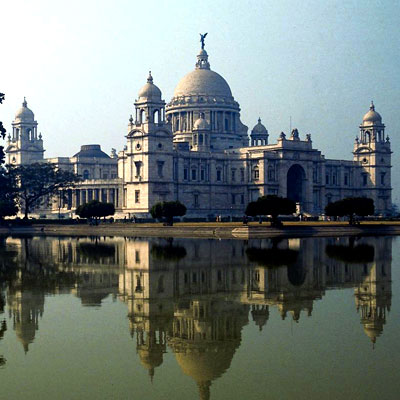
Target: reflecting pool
124, 318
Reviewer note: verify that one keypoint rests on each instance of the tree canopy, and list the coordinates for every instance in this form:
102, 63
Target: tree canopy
7, 193
95, 209
350, 207
271, 205
168, 210
35, 183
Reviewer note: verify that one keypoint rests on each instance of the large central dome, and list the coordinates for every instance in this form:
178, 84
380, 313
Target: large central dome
205, 95
203, 82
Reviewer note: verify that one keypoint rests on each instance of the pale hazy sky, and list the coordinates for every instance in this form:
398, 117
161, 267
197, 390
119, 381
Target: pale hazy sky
81, 64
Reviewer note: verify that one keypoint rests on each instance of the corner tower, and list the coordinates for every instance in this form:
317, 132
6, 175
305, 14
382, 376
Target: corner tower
145, 164
25, 146
372, 153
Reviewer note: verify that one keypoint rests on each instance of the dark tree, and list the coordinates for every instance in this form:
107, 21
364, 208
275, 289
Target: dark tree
168, 210
95, 209
271, 205
35, 183
350, 207
7, 193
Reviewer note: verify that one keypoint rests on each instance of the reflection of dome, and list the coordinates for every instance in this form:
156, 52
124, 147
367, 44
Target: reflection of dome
373, 331
151, 359
372, 117
204, 362
26, 334
24, 113
150, 92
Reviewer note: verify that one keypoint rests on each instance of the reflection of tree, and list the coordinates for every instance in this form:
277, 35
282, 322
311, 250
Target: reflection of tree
168, 252
94, 252
272, 257
360, 254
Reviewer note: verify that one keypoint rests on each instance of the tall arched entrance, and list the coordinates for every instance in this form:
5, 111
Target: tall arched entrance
296, 188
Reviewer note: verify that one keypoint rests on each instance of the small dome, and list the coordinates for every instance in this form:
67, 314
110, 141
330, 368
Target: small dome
24, 113
201, 124
150, 92
91, 150
372, 117
259, 128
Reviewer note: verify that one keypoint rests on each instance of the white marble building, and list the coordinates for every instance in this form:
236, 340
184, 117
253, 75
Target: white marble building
195, 149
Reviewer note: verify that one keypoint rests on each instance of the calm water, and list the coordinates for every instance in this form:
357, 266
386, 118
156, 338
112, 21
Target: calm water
117, 318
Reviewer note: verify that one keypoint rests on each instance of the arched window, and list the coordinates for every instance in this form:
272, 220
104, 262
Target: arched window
156, 117
200, 139
142, 116
86, 174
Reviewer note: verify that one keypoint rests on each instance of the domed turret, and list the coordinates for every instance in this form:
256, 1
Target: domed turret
24, 114
259, 134
150, 92
201, 124
372, 117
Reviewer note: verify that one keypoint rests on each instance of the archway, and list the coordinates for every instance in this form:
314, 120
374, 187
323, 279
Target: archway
296, 183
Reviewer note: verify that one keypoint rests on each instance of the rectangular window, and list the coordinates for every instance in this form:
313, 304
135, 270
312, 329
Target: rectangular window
233, 174
256, 174
382, 178
137, 196
334, 180
137, 256
327, 179
242, 174
242, 199
364, 179
185, 174
233, 198
218, 174
138, 165
196, 200
194, 174
160, 166
202, 174
346, 180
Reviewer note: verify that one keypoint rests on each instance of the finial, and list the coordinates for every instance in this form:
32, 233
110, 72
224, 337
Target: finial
40, 135
259, 120
131, 119
202, 38
24, 104
372, 107
150, 78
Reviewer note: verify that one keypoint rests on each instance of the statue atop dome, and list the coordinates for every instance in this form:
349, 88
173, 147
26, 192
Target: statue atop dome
202, 38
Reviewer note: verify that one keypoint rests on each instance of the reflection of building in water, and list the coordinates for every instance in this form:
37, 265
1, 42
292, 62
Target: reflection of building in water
205, 336
195, 296
25, 307
373, 294
88, 269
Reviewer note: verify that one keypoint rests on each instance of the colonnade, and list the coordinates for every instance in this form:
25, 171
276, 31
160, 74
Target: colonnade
73, 198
